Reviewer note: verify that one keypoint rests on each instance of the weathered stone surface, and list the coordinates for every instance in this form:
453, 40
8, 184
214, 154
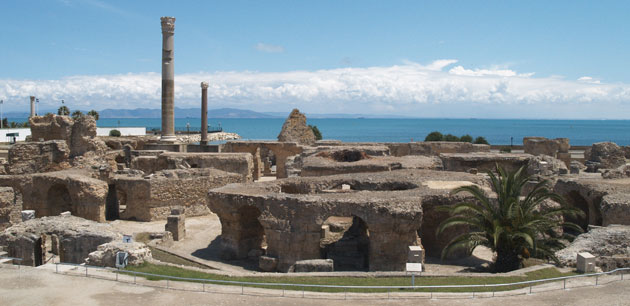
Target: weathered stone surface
435, 148
314, 265
51, 127
621, 172
267, 264
266, 151
10, 208
105, 254
83, 138
321, 164
77, 237
545, 165
544, 146
152, 197
288, 215
605, 155
603, 201
296, 130
35, 157
27, 215
576, 167
483, 162
176, 224
606, 243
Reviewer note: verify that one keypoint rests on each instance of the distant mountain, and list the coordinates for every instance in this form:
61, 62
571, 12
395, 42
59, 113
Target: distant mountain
183, 113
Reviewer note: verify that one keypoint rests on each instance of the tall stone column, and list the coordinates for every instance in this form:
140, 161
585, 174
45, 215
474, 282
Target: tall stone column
168, 80
32, 106
204, 113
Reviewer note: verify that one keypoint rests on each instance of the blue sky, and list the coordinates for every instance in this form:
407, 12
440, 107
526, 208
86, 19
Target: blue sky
530, 59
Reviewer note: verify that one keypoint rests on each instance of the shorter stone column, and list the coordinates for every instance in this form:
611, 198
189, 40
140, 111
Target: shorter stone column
176, 224
204, 113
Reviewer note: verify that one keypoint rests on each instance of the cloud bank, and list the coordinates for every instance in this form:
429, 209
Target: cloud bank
408, 89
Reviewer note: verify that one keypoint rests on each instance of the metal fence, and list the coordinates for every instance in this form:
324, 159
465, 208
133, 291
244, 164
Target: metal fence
343, 292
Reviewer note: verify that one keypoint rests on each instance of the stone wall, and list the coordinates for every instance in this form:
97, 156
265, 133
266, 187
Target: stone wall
153, 197
281, 151
558, 148
10, 207
79, 135
483, 162
35, 157
435, 148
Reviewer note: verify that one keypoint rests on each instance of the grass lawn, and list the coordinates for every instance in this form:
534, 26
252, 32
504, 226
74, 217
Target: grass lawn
359, 281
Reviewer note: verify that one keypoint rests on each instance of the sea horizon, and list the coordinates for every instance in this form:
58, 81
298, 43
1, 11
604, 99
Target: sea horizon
496, 131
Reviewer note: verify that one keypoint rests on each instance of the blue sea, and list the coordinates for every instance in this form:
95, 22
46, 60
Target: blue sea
496, 131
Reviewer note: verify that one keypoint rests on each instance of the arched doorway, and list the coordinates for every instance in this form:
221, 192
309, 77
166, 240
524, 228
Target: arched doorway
346, 240
59, 200
251, 242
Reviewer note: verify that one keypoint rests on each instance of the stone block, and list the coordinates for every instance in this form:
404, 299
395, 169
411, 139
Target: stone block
416, 254
267, 264
28, 215
314, 265
176, 224
585, 262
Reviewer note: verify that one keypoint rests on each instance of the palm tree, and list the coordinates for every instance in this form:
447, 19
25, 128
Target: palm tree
511, 225
94, 114
63, 111
77, 114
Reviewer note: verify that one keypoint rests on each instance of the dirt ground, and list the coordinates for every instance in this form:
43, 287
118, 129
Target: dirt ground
39, 286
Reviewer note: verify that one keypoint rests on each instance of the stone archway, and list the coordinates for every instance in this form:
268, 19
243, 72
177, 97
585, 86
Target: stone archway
346, 240
591, 211
251, 234
58, 200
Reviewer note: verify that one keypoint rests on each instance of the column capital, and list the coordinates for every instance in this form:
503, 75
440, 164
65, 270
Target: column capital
204, 85
168, 24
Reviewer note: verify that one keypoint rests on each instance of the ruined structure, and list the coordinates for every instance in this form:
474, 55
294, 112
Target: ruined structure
68, 237
168, 79
295, 129
558, 148
204, 113
283, 219
604, 155
10, 208
610, 245
148, 198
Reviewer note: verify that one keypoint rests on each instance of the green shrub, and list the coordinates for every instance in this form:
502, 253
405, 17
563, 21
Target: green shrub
466, 138
452, 138
114, 133
318, 134
434, 136
480, 140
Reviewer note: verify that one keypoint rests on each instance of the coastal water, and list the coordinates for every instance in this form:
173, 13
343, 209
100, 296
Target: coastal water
500, 132
580, 132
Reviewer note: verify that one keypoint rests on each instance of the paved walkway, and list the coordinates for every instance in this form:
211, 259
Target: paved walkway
41, 286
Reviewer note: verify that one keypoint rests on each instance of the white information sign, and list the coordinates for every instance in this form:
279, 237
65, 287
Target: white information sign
414, 267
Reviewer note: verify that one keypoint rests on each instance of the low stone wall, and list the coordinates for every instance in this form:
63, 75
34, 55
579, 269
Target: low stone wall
153, 197
281, 151
10, 208
435, 148
483, 162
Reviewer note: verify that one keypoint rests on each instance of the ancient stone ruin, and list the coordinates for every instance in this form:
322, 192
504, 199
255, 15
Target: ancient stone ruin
295, 129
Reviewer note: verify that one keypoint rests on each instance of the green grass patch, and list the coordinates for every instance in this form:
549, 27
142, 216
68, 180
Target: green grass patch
359, 281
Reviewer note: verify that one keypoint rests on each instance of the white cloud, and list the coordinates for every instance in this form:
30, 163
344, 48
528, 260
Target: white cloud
588, 79
408, 89
269, 48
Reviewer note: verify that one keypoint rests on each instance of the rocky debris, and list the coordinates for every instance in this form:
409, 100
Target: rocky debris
626, 151
194, 138
27, 215
313, 265
76, 236
135, 142
604, 155
10, 208
295, 129
267, 263
544, 165
576, 167
37, 157
105, 254
610, 244
621, 172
